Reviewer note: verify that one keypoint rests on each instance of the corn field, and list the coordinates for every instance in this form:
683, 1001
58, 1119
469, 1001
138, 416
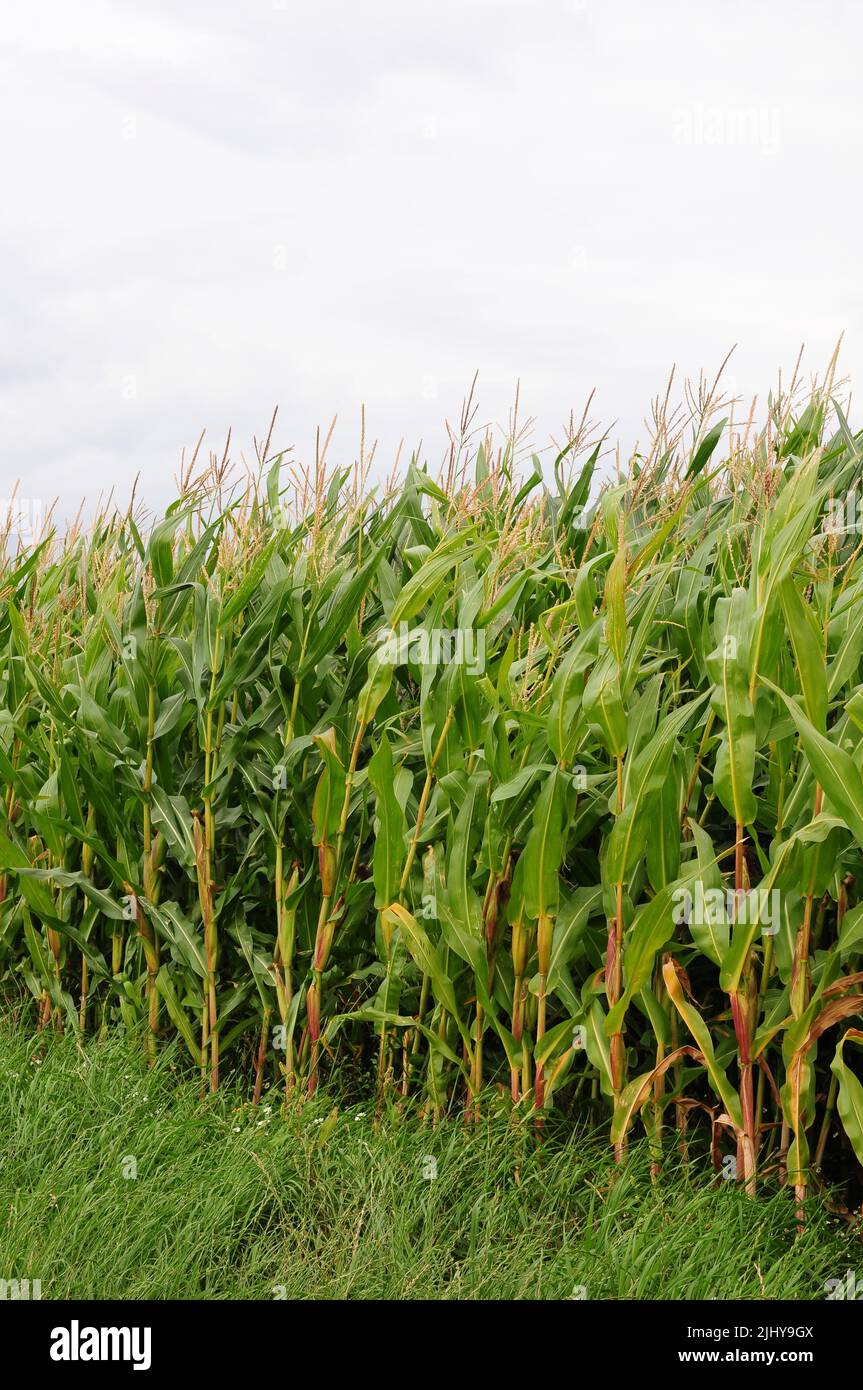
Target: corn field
526, 785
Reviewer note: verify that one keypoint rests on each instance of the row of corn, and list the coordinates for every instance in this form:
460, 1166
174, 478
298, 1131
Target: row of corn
536, 783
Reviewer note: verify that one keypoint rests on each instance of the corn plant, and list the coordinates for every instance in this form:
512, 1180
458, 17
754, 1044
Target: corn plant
533, 785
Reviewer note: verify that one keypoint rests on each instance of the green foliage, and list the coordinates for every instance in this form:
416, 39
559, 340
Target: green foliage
411, 785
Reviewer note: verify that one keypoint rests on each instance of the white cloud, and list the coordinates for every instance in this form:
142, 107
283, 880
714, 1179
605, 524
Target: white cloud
212, 208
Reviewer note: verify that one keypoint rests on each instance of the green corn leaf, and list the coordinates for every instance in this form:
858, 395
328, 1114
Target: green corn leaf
705, 450
734, 767
615, 598
700, 1032
389, 853
849, 1099
808, 653
833, 767
544, 849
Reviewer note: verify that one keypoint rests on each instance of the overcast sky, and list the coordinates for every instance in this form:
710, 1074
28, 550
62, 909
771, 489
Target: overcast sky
213, 207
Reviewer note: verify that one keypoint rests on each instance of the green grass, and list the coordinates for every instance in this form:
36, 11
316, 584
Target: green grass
230, 1203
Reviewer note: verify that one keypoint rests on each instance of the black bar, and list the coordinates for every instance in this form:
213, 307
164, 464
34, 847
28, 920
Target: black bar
262, 1338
